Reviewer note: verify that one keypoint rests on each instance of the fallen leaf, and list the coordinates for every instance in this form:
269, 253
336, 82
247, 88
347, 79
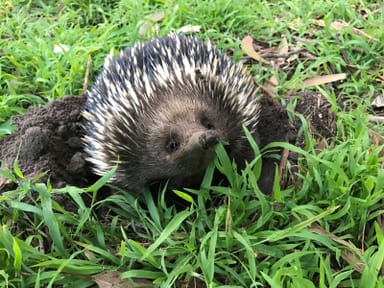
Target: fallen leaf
189, 28
380, 78
338, 26
376, 119
60, 48
319, 80
352, 255
352, 259
247, 46
273, 81
283, 164
378, 102
86, 76
284, 49
268, 91
111, 279
153, 18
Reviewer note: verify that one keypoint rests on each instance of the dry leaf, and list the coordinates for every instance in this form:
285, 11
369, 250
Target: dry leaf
349, 256
4, 182
319, 80
283, 164
319, 230
352, 259
267, 91
338, 26
376, 138
60, 48
270, 86
86, 76
111, 279
156, 17
378, 102
376, 119
189, 28
273, 82
247, 46
153, 18
380, 78
284, 49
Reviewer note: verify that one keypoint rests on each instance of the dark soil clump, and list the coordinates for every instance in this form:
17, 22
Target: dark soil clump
48, 139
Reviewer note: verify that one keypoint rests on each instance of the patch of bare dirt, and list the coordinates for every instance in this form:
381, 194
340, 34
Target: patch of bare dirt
48, 140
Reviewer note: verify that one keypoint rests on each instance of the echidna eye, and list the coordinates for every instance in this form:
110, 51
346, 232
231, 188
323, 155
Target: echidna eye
209, 126
173, 146
207, 123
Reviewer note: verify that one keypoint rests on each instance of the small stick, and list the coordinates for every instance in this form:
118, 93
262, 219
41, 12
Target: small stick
86, 77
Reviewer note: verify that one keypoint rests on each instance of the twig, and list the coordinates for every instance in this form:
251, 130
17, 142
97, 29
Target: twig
86, 77
283, 55
374, 118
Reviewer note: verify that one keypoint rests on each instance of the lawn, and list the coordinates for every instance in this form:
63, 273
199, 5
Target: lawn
323, 225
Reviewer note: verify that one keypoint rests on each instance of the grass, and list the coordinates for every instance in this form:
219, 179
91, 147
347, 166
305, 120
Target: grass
323, 230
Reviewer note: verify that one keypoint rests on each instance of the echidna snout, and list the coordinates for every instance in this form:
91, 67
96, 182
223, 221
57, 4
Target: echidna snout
189, 142
208, 139
202, 140
198, 151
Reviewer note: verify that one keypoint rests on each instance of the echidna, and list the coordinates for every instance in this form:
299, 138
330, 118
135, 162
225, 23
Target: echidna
158, 109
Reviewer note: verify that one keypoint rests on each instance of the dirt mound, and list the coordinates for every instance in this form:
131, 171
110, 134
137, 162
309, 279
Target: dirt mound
48, 140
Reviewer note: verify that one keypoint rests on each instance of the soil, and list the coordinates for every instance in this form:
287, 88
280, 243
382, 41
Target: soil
48, 139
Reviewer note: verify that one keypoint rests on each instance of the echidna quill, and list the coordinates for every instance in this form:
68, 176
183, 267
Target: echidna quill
158, 109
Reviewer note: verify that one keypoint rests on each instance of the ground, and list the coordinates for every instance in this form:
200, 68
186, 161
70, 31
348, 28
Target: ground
322, 227
48, 139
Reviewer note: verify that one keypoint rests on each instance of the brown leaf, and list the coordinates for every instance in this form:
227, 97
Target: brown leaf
378, 101
267, 89
156, 17
153, 18
283, 164
273, 82
3, 182
319, 80
352, 255
111, 279
320, 230
338, 26
86, 77
247, 46
284, 49
189, 28
352, 259
380, 78
377, 138
376, 119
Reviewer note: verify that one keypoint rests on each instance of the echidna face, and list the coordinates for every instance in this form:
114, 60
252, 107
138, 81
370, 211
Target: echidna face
181, 138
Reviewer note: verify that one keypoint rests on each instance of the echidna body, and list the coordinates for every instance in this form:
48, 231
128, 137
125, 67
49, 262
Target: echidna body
158, 109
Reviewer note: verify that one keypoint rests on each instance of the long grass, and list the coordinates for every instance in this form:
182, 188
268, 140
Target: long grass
323, 230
